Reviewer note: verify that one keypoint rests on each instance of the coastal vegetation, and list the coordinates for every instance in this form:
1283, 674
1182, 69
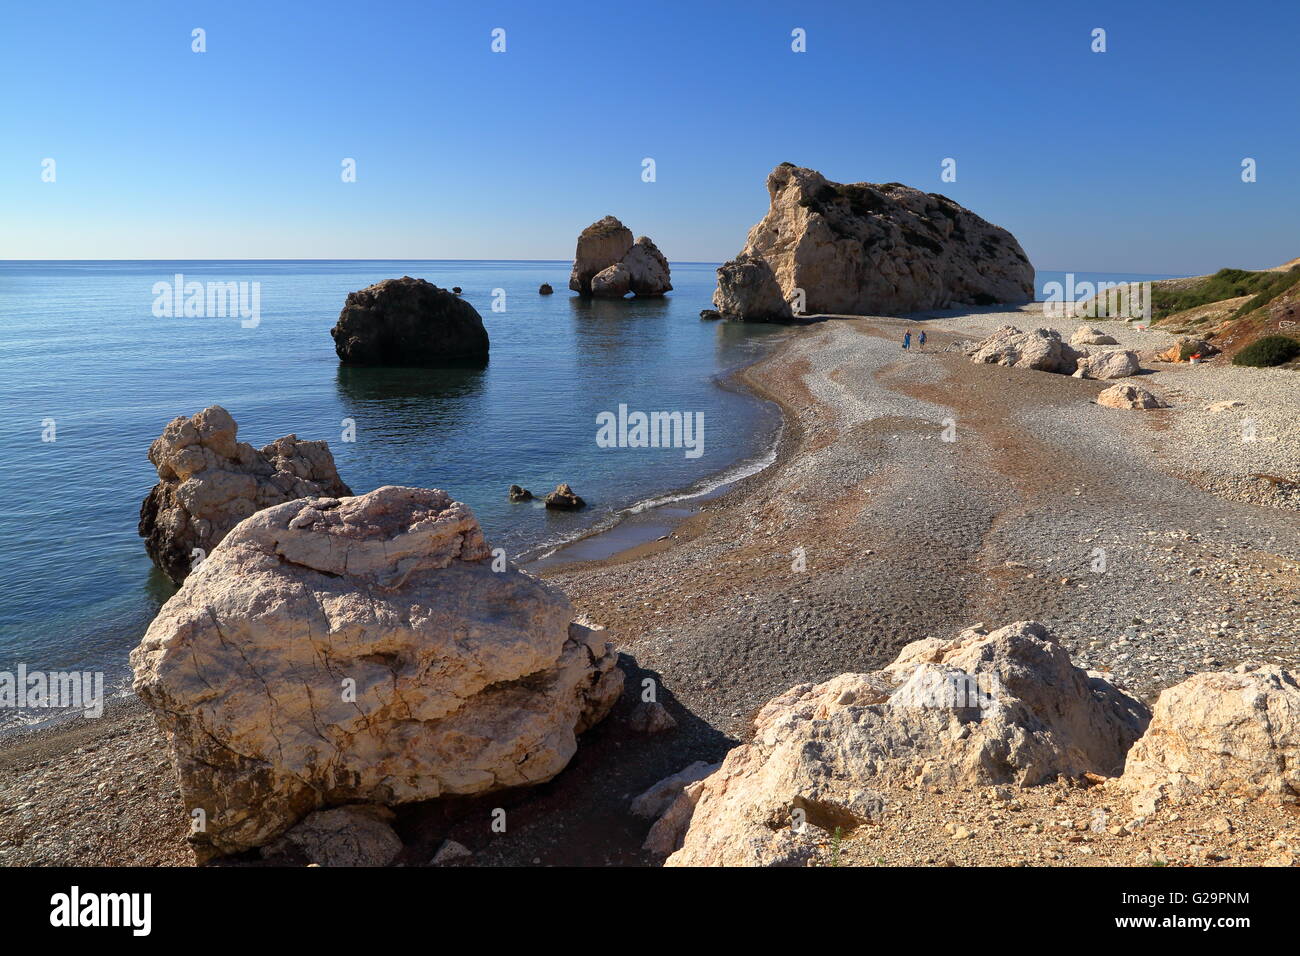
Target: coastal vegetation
1263, 286
1267, 352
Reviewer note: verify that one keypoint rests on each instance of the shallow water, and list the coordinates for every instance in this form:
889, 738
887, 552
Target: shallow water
84, 351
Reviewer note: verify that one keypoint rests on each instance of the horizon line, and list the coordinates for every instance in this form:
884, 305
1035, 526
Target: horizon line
697, 262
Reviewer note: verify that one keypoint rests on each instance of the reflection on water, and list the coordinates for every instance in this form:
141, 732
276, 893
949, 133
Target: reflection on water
364, 385
592, 307
606, 329
430, 402
736, 339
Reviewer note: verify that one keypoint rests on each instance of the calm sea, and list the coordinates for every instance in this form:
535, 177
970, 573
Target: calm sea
87, 363
84, 352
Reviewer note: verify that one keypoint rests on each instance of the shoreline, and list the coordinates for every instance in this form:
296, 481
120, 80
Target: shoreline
674, 506
906, 537
625, 530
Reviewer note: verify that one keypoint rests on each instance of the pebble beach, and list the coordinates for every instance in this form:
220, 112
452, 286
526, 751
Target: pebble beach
913, 494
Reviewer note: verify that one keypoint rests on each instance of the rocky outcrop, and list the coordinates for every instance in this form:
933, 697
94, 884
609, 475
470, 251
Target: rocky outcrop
564, 498
1236, 732
1005, 707
869, 249
602, 244
409, 322
1040, 349
451, 853
1107, 364
1087, 335
609, 264
1129, 396
209, 481
1215, 408
748, 291
671, 803
516, 493
545, 289
647, 268
363, 651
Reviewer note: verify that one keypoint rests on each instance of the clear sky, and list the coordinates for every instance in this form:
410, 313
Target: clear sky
1128, 160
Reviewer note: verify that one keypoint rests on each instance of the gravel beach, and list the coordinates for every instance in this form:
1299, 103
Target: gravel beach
914, 494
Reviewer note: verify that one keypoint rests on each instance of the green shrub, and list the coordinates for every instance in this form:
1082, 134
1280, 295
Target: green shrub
1273, 288
1224, 284
1268, 351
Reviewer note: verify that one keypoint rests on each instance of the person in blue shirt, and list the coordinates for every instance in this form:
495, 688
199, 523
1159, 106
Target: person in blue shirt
907, 340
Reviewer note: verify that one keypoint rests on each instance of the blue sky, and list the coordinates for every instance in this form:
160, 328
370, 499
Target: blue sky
1128, 160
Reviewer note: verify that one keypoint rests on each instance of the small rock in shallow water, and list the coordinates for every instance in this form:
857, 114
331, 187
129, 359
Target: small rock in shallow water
563, 498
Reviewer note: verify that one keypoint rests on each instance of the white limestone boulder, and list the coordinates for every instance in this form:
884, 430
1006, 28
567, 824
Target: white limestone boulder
363, 650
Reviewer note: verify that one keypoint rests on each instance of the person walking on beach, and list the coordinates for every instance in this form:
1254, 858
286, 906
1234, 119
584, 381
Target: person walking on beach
907, 340
922, 339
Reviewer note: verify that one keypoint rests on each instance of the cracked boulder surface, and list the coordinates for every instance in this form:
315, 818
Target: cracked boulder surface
209, 481
363, 650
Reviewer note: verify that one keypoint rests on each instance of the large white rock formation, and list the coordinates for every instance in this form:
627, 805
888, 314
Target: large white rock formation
609, 264
336, 651
1040, 349
868, 249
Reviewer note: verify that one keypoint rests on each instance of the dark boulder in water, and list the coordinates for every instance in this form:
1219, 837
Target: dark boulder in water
545, 289
409, 322
517, 493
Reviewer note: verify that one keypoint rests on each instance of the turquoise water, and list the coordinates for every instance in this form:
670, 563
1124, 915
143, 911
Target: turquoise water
83, 347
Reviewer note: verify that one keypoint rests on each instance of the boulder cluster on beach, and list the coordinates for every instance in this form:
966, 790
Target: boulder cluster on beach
1005, 708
